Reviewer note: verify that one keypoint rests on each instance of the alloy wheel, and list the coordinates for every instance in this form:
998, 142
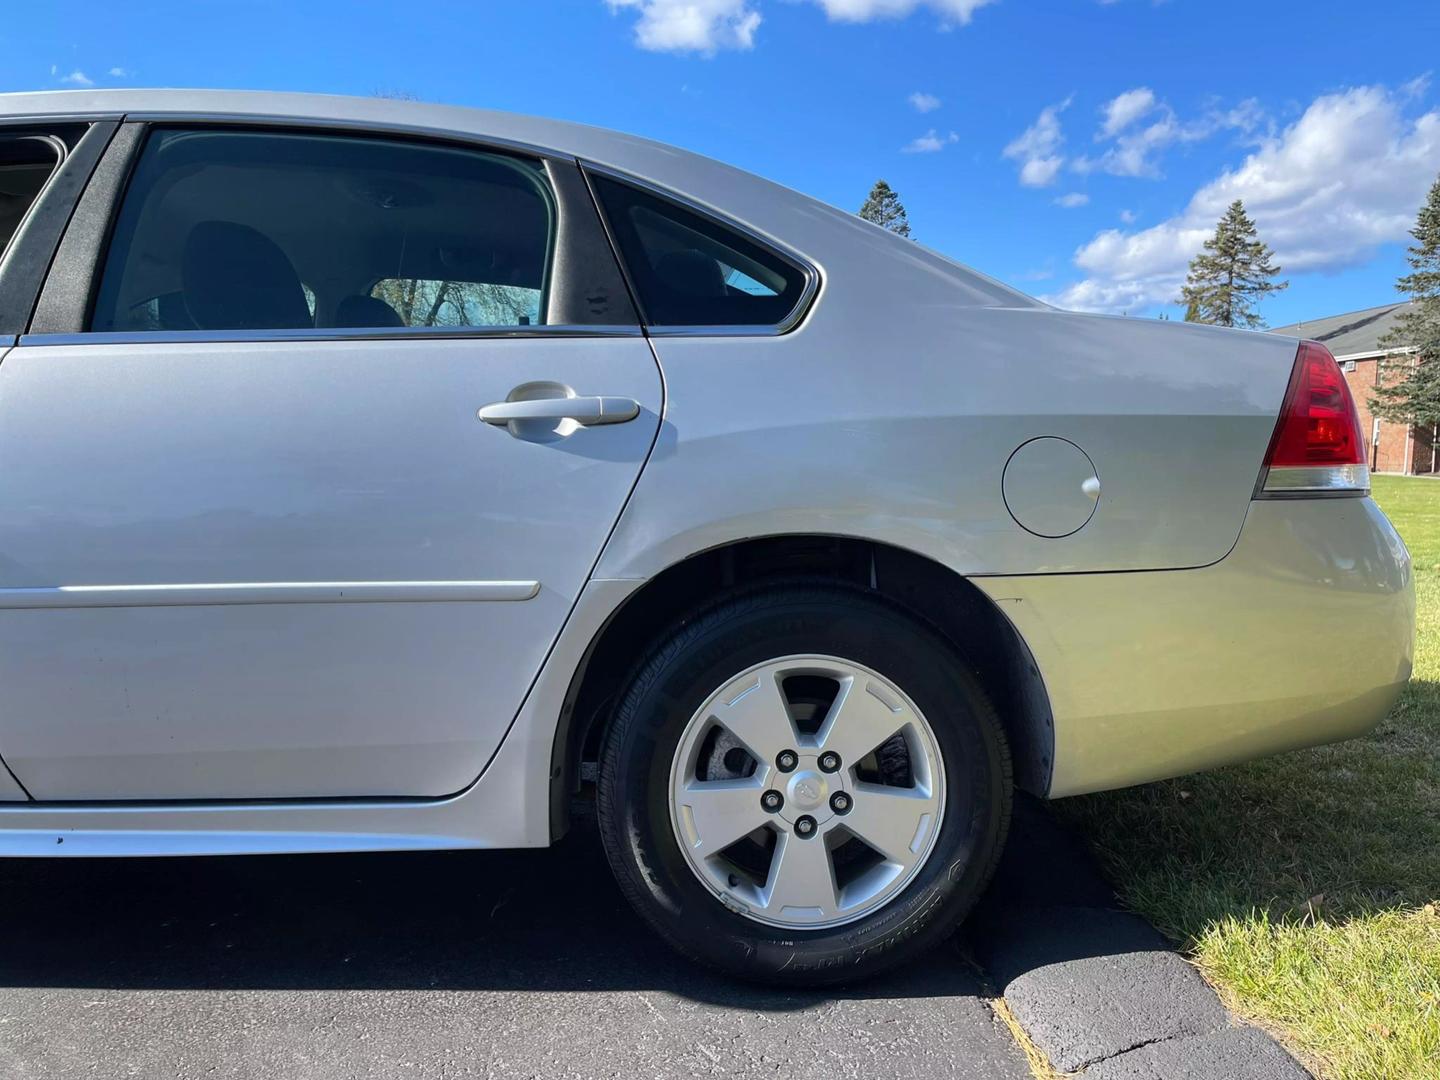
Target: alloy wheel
806, 792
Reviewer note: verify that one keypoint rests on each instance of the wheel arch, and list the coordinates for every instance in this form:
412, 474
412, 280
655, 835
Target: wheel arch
980, 632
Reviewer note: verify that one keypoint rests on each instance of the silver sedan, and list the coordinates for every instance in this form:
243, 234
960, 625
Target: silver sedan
381, 476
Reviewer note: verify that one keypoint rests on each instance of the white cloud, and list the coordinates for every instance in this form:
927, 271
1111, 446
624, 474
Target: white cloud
1134, 149
1124, 109
1133, 154
1037, 148
120, 73
1347, 176
1128, 216
951, 12
76, 78
1417, 87
923, 102
1040, 172
930, 142
702, 26
707, 26
1072, 200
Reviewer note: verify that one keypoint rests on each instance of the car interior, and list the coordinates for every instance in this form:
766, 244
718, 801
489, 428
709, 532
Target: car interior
26, 162
256, 230
692, 271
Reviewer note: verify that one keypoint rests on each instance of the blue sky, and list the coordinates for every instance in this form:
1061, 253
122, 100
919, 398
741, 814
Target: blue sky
1079, 149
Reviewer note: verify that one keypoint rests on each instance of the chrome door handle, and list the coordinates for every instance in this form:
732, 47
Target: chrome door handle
586, 411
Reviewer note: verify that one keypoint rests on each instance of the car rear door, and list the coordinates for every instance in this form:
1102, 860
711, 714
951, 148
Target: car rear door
257, 539
44, 165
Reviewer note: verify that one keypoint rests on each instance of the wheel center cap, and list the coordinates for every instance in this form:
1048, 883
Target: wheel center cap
808, 790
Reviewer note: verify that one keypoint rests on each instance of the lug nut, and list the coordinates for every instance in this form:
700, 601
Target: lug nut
786, 760
829, 761
772, 801
840, 802
805, 826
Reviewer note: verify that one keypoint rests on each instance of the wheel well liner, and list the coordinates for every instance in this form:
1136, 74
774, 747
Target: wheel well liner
983, 638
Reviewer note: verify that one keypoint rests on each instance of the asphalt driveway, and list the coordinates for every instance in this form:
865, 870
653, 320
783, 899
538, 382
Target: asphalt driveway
450, 965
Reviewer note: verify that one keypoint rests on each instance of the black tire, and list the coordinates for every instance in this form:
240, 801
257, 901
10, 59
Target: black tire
700, 655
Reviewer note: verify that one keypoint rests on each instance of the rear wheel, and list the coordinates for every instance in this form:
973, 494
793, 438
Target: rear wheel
803, 785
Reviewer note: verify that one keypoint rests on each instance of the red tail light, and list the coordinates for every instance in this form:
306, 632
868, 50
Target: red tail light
1318, 445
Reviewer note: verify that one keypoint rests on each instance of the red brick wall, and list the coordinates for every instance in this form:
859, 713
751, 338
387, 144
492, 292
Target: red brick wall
1391, 452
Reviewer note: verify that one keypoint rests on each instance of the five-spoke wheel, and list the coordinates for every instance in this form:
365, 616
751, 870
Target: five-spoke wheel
847, 823
803, 784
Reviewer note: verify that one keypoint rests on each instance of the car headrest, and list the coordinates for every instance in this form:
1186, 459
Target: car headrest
234, 277
691, 273
366, 311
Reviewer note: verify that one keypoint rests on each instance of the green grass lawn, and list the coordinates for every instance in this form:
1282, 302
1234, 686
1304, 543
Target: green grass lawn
1307, 886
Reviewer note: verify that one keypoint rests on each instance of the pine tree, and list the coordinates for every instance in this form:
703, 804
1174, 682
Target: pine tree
1410, 390
1232, 273
883, 207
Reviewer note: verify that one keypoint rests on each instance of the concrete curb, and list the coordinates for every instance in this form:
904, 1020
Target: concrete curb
1099, 991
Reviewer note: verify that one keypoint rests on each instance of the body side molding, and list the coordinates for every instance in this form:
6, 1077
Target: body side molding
267, 592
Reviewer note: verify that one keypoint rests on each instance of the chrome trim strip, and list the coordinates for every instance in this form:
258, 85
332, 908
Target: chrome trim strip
337, 333
727, 331
1316, 479
268, 592
804, 265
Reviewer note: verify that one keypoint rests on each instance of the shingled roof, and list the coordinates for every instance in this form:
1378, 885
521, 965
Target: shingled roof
1352, 334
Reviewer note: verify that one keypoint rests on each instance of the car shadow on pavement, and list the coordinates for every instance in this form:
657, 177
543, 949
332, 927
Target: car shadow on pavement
491, 920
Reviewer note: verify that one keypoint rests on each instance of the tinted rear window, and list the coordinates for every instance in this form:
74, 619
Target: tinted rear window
26, 163
237, 230
690, 270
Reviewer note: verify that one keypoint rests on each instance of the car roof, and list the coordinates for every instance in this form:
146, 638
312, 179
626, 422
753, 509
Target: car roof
813, 228
527, 132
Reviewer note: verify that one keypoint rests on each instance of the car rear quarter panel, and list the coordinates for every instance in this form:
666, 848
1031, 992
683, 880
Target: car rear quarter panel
891, 416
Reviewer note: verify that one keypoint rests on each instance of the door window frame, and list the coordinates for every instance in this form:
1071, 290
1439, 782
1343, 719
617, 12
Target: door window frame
582, 266
28, 258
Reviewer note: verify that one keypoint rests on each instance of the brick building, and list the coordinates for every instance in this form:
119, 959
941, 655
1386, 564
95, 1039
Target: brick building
1354, 338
